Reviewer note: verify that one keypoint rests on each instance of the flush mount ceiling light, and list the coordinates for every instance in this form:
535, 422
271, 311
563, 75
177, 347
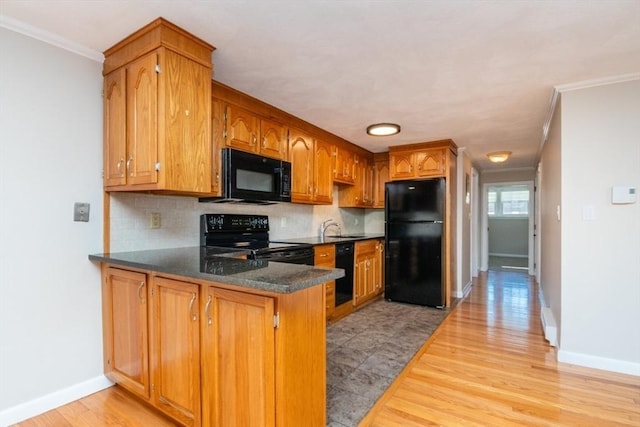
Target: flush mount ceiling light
499, 156
383, 129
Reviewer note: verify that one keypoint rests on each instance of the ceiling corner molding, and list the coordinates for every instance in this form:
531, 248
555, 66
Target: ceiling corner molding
584, 84
49, 38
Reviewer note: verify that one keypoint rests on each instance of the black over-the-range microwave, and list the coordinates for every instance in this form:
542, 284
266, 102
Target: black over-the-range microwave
250, 178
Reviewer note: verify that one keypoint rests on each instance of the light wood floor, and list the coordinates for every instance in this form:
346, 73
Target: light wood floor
489, 365
486, 365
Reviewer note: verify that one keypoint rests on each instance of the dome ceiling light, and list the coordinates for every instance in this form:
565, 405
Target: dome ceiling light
499, 156
383, 129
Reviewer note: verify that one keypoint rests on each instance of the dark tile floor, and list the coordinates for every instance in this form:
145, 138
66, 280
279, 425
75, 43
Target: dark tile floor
367, 350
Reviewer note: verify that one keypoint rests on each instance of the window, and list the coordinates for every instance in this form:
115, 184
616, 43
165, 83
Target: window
508, 201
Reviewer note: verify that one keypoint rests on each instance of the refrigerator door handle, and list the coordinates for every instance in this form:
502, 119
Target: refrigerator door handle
438, 222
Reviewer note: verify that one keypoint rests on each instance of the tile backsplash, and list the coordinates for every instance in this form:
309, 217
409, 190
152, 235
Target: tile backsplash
180, 216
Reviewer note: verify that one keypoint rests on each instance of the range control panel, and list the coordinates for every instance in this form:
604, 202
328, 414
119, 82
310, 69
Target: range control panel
211, 223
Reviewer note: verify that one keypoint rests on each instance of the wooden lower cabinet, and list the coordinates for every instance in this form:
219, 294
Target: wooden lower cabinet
367, 272
125, 328
238, 359
175, 349
207, 355
325, 256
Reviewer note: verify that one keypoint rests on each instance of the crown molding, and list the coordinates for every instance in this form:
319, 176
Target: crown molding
521, 169
584, 84
49, 38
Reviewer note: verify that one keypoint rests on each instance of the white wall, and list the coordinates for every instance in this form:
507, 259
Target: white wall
509, 236
51, 150
550, 227
600, 257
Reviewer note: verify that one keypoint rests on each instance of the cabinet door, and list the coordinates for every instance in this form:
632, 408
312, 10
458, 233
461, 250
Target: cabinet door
378, 268
238, 359
126, 330
217, 144
323, 178
273, 139
176, 349
185, 124
401, 165
381, 177
242, 129
430, 163
325, 256
115, 130
142, 120
344, 170
370, 280
301, 153
359, 280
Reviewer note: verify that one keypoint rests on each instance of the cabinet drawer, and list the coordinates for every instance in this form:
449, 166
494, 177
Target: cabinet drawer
366, 246
325, 255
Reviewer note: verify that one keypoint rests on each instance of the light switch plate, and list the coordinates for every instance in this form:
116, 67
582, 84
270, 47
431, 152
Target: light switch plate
81, 212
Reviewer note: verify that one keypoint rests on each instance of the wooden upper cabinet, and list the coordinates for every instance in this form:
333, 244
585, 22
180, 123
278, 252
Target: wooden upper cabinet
157, 112
142, 116
345, 164
323, 178
115, 128
247, 131
311, 162
380, 178
126, 336
301, 155
421, 160
273, 139
430, 162
242, 129
176, 349
360, 195
401, 165
217, 142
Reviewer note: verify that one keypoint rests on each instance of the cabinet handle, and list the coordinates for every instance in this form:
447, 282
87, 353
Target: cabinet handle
193, 299
129, 165
264, 142
119, 166
141, 296
254, 140
217, 177
324, 255
206, 311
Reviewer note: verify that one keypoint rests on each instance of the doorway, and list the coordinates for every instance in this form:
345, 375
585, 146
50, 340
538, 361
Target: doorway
507, 232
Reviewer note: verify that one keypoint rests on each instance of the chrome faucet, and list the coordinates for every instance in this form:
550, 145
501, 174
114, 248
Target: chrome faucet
326, 224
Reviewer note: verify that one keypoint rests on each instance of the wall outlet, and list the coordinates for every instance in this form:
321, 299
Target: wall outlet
81, 212
155, 220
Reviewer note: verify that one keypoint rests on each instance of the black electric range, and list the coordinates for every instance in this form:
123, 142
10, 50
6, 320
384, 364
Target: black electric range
250, 232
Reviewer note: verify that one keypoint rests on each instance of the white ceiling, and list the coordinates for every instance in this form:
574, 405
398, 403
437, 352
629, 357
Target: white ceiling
479, 72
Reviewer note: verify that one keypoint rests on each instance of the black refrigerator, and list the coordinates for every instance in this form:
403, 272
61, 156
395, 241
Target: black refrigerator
414, 225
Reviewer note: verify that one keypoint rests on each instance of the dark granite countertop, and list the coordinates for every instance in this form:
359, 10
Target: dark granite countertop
317, 240
224, 266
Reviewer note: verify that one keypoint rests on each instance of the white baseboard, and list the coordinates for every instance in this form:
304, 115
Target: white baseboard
597, 362
549, 326
464, 292
54, 400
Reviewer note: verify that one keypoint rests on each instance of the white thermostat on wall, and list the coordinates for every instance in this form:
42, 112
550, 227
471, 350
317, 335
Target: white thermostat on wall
623, 194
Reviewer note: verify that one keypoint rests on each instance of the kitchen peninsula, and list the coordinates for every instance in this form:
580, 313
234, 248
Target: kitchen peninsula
206, 337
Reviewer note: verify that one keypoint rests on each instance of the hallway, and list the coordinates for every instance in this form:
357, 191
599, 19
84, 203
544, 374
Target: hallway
488, 364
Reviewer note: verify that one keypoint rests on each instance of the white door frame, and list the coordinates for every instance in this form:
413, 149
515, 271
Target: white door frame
485, 224
475, 222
